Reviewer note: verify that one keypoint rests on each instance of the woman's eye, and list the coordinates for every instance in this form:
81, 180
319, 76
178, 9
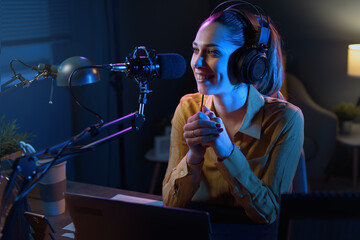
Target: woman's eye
195, 50
214, 52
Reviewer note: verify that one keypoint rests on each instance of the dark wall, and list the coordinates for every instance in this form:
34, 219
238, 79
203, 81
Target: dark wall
93, 38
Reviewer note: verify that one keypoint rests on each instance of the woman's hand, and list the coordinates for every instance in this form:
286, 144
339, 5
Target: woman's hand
222, 144
199, 131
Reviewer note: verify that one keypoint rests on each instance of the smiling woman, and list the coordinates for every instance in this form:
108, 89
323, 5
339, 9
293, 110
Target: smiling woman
242, 149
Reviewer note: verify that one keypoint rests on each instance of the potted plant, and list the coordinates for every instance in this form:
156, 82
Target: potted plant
346, 112
10, 138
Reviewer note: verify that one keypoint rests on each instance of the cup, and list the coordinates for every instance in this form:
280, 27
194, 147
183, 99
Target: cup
52, 187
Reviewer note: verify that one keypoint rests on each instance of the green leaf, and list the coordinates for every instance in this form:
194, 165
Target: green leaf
10, 138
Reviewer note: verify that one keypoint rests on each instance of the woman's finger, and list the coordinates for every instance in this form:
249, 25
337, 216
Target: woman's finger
197, 116
217, 120
201, 124
202, 140
206, 109
208, 112
193, 133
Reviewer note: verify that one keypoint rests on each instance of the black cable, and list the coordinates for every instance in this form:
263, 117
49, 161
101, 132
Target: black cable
12, 68
75, 98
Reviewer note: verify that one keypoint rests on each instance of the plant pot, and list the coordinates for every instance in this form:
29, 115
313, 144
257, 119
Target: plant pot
345, 127
13, 156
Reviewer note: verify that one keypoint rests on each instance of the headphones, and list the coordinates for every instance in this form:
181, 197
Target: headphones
249, 63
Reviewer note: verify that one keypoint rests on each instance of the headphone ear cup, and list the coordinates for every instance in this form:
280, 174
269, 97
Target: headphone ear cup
248, 65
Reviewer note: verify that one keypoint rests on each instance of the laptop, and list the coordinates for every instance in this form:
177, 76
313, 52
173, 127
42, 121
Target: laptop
104, 218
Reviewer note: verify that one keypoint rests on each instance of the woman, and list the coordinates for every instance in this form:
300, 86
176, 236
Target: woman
242, 148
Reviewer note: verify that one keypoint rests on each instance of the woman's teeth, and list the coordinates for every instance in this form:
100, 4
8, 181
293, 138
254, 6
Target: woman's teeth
202, 77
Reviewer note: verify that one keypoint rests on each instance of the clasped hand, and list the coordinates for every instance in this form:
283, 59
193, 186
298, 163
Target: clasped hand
203, 130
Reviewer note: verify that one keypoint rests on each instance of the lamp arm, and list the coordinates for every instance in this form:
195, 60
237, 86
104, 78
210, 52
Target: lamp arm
23, 82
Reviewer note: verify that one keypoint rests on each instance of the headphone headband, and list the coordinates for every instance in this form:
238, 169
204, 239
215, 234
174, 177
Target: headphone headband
249, 63
262, 32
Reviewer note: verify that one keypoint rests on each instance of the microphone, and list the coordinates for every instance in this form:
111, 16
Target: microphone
172, 65
141, 67
163, 66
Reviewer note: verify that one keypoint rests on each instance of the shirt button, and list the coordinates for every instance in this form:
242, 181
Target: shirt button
182, 173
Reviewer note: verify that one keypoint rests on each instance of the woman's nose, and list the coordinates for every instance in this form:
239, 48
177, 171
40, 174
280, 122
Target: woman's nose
200, 62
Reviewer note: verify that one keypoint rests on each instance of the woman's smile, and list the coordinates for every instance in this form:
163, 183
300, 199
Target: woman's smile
202, 77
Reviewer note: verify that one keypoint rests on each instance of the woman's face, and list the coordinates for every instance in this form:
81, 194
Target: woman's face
210, 58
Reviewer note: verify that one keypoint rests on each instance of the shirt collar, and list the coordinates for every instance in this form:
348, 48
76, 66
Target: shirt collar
254, 112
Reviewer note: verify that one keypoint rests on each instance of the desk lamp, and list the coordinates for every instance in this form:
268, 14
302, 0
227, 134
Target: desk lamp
353, 68
83, 77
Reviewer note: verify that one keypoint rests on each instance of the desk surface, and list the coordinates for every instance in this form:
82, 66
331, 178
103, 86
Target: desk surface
225, 221
60, 221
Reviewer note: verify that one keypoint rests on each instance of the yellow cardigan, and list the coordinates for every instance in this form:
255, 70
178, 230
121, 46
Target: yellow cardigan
260, 169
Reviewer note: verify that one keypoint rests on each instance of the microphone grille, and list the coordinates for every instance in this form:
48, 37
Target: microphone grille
172, 65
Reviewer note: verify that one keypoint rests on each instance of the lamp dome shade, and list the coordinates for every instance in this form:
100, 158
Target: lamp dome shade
82, 77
